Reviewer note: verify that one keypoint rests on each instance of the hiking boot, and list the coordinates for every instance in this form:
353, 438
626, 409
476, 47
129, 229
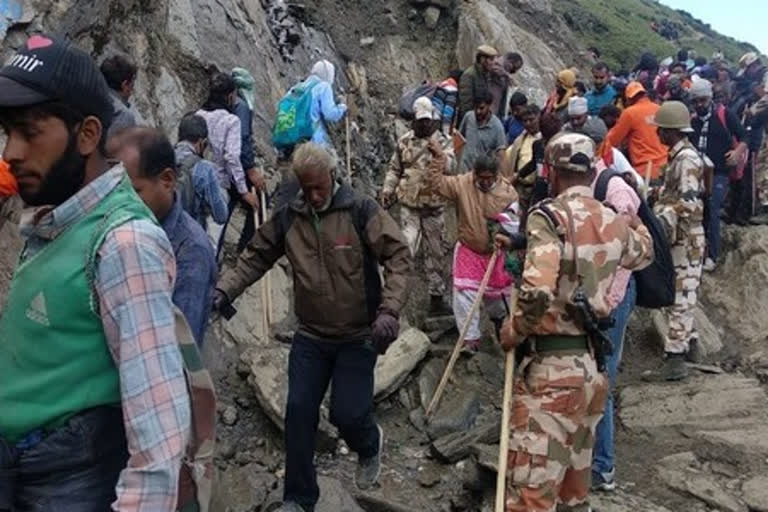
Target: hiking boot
290, 506
369, 469
674, 367
605, 482
471, 347
438, 307
694, 354
709, 265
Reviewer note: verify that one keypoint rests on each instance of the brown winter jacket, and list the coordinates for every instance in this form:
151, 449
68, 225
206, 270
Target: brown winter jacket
475, 208
334, 255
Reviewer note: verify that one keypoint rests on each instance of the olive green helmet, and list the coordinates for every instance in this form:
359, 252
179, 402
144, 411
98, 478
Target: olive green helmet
673, 115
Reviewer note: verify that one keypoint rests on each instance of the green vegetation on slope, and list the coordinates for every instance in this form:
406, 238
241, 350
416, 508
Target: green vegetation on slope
622, 30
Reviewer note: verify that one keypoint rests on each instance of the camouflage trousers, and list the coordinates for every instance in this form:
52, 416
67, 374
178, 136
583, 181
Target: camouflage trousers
425, 228
558, 402
687, 257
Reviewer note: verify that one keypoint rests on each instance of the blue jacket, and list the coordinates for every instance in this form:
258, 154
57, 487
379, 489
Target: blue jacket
245, 115
598, 99
195, 268
324, 110
209, 197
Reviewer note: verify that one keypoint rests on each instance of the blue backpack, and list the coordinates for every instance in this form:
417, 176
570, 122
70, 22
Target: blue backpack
293, 122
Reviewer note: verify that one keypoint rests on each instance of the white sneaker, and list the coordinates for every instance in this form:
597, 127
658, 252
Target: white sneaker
709, 265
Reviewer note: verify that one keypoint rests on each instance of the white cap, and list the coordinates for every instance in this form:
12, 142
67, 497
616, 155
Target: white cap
701, 88
577, 106
423, 108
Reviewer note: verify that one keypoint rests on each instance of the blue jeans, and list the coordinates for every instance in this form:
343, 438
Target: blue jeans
603, 455
719, 191
72, 469
312, 365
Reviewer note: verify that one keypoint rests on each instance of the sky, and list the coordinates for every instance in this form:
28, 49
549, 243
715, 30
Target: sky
744, 20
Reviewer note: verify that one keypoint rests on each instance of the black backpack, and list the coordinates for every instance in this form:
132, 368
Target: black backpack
656, 283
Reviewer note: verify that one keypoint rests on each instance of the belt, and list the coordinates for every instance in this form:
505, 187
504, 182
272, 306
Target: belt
557, 343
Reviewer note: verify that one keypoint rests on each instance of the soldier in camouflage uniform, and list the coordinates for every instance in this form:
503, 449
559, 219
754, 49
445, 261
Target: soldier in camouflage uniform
422, 212
573, 242
681, 211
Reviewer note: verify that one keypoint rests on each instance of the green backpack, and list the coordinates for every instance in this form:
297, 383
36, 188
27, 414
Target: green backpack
293, 123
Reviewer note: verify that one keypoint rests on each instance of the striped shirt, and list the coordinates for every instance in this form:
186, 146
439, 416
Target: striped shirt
135, 273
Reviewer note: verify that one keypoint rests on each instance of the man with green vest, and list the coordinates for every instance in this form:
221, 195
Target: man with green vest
95, 411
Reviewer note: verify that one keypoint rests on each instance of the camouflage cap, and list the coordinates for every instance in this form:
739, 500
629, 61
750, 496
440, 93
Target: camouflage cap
572, 151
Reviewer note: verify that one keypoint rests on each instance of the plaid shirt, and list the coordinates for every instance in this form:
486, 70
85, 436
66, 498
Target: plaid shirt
134, 281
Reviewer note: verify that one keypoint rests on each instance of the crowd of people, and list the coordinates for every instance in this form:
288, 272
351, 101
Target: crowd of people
556, 206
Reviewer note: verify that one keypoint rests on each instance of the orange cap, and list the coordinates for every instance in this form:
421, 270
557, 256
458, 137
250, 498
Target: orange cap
633, 89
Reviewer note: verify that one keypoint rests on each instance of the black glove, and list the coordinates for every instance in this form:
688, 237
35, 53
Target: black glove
222, 304
386, 327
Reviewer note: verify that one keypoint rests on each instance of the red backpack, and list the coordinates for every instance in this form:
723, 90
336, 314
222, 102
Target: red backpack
737, 173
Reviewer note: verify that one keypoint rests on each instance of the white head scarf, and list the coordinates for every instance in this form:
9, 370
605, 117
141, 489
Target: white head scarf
325, 71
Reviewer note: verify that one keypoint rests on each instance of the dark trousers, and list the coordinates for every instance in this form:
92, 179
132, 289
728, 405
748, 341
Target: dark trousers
73, 469
741, 206
312, 366
249, 228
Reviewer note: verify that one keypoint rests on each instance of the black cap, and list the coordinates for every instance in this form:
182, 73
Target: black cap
51, 69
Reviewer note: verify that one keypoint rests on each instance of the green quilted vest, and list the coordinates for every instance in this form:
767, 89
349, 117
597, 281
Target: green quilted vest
54, 359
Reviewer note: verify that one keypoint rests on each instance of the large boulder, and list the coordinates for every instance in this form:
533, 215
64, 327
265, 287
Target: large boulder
480, 22
399, 361
736, 295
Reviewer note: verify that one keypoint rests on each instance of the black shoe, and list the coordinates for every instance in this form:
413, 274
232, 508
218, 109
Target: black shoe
438, 307
675, 368
694, 354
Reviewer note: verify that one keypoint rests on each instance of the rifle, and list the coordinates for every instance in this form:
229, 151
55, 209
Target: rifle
601, 344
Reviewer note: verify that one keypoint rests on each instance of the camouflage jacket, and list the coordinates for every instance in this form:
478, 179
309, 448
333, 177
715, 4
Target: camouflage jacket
600, 239
408, 171
680, 206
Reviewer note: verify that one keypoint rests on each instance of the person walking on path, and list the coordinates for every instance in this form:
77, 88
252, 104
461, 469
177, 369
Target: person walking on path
120, 74
480, 197
100, 406
422, 212
476, 79
635, 125
602, 92
243, 109
559, 390
197, 181
482, 131
564, 91
225, 143
335, 240
715, 130
681, 211
149, 160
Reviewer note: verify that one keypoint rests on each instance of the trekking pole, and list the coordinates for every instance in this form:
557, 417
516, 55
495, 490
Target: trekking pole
349, 150
464, 328
509, 379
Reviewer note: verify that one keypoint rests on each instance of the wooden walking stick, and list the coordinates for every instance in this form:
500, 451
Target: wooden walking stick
464, 328
509, 379
260, 216
648, 170
349, 150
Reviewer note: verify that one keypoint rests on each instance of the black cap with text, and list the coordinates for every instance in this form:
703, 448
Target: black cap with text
50, 69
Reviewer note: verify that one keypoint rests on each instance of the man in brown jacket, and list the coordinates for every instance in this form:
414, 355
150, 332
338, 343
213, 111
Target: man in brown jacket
335, 240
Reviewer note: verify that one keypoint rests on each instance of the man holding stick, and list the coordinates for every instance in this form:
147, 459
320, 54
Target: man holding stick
575, 246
